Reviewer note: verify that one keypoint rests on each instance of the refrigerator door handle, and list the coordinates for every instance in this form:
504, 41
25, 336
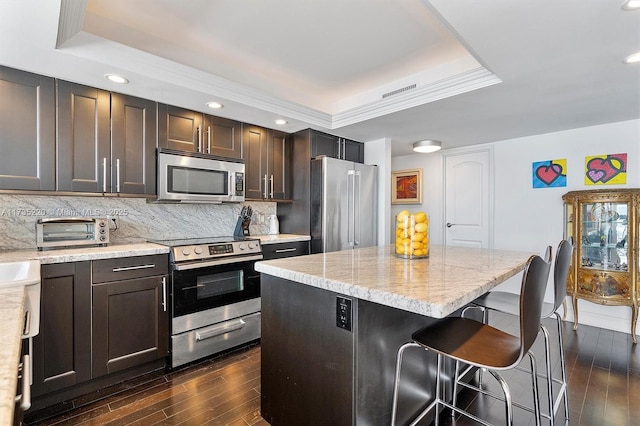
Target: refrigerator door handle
351, 193
357, 219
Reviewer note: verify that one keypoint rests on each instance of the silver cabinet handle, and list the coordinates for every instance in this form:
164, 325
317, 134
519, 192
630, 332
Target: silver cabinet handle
271, 185
27, 323
164, 294
133, 268
339, 151
219, 330
356, 202
199, 140
449, 224
104, 174
118, 175
265, 186
221, 261
286, 250
344, 149
208, 139
25, 397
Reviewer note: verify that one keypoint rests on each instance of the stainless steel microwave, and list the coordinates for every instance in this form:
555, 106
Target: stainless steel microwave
191, 177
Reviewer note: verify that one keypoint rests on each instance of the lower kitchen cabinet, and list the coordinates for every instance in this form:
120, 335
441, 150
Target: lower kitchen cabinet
62, 350
130, 318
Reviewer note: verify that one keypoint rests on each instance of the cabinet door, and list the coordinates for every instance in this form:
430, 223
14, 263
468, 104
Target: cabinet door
83, 138
289, 249
222, 137
27, 131
254, 151
324, 144
352, 151
278, 156
133, 145
130, 324
62, 349
179, 128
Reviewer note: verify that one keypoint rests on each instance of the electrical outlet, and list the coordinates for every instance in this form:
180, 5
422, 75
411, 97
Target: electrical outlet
344, 313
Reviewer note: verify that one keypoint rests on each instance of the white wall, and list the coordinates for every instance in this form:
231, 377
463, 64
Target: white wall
529, 219
378, 153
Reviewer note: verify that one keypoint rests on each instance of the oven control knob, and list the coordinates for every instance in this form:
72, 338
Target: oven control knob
186, 251
253, 244
242, 246
197, 250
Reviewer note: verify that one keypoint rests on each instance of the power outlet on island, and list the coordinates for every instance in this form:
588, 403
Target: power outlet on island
344, 313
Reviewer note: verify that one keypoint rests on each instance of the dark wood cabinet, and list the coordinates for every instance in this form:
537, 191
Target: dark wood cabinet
83, 138
62, 350
336, 147
266, 156
286, 249
27, 131
133, 145
106, 141
187, 130
130, 312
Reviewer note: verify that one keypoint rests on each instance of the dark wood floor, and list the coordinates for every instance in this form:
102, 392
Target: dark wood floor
603, 372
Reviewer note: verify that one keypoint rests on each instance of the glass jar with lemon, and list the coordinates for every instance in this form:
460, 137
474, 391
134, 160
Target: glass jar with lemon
412, 235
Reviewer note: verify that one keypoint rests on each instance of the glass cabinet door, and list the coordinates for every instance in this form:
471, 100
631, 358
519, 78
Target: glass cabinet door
603, 232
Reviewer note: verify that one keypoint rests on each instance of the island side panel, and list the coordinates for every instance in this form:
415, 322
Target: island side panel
307, 362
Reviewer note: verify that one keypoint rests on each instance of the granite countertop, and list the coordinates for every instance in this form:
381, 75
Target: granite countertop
84, 253
437, 286
11, 314
282, 238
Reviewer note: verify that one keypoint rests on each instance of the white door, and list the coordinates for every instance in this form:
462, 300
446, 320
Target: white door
468, 193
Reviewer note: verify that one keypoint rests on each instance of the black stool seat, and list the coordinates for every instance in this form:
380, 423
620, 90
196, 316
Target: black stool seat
471, 342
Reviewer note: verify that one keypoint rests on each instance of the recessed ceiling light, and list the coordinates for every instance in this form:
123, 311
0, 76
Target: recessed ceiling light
214, 105
632, 59
427, 146
281, 122
116, 78
631, 5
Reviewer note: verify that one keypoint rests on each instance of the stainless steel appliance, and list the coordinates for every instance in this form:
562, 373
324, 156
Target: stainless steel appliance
344, 202
59, 232
190, 177
215, 295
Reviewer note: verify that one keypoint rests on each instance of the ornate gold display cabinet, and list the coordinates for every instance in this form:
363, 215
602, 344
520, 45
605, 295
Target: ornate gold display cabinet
604, 267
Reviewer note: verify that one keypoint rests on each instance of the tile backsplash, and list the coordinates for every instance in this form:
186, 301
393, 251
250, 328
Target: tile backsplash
137, 219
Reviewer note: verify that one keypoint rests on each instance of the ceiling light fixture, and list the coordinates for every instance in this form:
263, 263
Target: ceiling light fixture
632, 59
281, 122
427, 146
214, 105
116, 78
631, 5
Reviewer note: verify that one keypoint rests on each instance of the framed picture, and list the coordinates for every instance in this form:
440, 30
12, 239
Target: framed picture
406, 187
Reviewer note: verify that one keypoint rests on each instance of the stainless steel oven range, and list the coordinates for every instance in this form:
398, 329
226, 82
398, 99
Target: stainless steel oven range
215, 295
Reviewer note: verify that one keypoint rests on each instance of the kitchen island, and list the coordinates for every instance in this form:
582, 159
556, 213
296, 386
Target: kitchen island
332, 323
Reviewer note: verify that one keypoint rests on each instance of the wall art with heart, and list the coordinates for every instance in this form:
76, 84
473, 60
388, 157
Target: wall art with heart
550, 174
604, 169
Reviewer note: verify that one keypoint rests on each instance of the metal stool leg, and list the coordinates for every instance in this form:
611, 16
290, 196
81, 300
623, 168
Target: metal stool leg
547, 355
563, 369
534, 379
396, 384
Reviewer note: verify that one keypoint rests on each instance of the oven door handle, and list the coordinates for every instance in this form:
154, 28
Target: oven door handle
219, 330
198, 265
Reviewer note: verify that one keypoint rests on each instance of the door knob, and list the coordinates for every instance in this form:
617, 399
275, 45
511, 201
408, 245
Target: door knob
449, 224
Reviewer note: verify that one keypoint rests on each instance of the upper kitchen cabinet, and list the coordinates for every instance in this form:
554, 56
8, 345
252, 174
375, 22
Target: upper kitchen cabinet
336, 147
106, 142
133, 145
185, 130
27, 131
266, 155
83, 138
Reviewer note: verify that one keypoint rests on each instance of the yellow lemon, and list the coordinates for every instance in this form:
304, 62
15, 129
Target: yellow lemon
421, 217
418, 236
400, 249
406, 242
421, 227
402, 215
418, 253
416, 245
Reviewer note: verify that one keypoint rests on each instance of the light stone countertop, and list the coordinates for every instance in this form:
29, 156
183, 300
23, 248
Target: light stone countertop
11, 314
282, 238
84, 253
436, 287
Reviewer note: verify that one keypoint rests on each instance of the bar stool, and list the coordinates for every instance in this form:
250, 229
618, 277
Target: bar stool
480, 345
505, 302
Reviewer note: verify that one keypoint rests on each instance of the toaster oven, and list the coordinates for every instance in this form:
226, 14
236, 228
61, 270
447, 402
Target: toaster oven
61, 232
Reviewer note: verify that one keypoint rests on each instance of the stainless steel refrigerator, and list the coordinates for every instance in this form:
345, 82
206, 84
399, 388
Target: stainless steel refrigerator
344, 204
